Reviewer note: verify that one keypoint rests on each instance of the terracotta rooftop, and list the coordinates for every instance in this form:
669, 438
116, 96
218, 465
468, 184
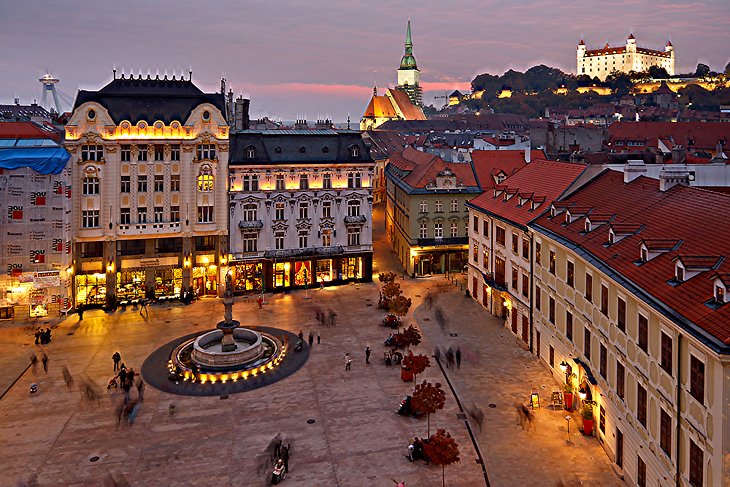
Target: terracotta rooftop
692, 135
490, 163
540, 181
28, 130
680, 213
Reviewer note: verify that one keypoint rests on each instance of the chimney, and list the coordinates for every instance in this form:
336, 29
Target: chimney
241, 121
634, 169
230, 115
672, 175
679, 155
17, 101
528, 154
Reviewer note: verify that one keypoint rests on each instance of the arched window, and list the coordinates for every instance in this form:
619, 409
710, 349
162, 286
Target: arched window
354, 151
205, 179
250, 152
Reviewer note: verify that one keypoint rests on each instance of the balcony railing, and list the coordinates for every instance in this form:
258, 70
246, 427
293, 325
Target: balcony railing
428, 242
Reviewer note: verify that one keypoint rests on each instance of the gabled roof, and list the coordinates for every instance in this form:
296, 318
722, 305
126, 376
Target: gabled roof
489, 163
691, 215
661, 244
420, 169
540, 181
380, 107
692, 135
406, 107
699, 262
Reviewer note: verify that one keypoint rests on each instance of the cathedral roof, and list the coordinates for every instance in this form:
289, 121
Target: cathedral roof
394, 104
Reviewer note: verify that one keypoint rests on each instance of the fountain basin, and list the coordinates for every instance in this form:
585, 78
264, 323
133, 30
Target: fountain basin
208, 349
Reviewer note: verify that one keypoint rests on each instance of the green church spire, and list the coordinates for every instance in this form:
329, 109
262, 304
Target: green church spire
408, 61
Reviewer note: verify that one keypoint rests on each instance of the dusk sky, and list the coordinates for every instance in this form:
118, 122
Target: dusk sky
320, 58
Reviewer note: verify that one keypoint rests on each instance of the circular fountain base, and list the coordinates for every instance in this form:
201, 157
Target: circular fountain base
248, 345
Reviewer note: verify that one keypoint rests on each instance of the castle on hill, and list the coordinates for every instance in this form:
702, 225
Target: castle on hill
602, 62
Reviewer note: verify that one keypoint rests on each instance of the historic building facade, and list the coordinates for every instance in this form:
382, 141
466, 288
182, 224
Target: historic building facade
602, 62
631, 310
300, 209
150, 166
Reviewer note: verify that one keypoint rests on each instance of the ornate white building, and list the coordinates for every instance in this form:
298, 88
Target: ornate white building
300, 209
602, 62
150, 161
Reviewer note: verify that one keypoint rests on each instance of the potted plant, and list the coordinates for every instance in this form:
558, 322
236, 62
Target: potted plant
588, 419
568, 396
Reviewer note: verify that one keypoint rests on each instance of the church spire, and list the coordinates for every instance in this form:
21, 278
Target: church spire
409, 43
408, 61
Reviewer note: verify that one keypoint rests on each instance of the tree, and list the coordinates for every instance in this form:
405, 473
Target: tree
702, 70
428, 398
412, 336
727, 69
416, 363
391, 290
657, 72
386, 277
620, 83
400, 305
443, 450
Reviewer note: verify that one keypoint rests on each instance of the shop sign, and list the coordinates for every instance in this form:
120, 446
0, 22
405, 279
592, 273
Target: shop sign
149, 262
45, 279
25, 277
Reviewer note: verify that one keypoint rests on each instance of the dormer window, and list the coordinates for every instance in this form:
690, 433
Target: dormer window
553, 211
568, 218
354, 151
679, 272
611, 237
644, 254
720, 284
250, 152
720, 293
587, 226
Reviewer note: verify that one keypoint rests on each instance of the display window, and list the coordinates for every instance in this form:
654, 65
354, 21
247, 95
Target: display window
351, 268
90, 289
130, 286
281, 274
303, 273
324, 270
168, 283
38, 310
247, 277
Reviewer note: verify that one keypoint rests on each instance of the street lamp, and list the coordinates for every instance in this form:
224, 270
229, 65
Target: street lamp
564, 366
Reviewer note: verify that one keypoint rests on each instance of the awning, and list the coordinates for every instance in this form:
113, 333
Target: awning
586, 369
43, 160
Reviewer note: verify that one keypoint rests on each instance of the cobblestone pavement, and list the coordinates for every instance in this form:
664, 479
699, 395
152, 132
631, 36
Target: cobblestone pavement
55, 437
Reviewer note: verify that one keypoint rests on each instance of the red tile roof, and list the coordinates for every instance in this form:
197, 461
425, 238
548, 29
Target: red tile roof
694, 216
692, 135
541, 181
422, 168
410, 111
489, 163
28, 130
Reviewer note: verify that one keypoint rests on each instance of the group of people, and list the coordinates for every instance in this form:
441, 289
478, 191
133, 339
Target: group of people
453, 356
277, 454
42, 337
325, 319
127, 379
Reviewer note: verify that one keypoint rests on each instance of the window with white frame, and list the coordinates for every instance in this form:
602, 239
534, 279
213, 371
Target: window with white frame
279, 240
175, 182
142, 183
159, 214
142, 214
439, 206
90, 185
205, 214
454, 229
353, 236
454, 205
142, 153
303, 181
175, 152
326, 181
303, 210
250, 242
326, 237
353, 208
159, 152
125, 216
125, 185
174, 213
92, 152
159, 183
280, 182
279, 211
424, 206
250, 182
249, 212
303, 239
354, 180
438, 230
125, 153
206, 151
423, 230
326, 209
90, 219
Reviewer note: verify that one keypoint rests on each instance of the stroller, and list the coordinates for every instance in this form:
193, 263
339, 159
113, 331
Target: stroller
279, 472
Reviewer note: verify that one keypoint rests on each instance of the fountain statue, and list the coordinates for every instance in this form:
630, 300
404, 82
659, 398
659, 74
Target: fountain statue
228, 344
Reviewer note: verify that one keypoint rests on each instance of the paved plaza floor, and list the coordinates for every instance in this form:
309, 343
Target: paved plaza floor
341, 424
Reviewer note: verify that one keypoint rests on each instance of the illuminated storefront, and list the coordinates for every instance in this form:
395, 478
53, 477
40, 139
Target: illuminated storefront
281, 274
90, 289
205, 280
168, 283
247, 277
351, 268
130, 286
303, 273
325, 272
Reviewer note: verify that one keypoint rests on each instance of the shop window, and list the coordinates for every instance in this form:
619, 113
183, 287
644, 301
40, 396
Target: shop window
351, 268
250, 242
130, 286
168, 283
125, 185
90, 185
90, 219
324, 270
326, 181
302, 273
90, 289
247, 277
175, 152
281, 274
353, 236
142, 153
175, 182
142, 215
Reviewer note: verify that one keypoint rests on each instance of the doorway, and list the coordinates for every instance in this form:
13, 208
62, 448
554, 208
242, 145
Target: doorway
619, 448
525, 330
514, 321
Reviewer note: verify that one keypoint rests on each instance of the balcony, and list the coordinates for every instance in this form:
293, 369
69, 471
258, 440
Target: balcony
359, 219
148, 228
250, 225
429, 242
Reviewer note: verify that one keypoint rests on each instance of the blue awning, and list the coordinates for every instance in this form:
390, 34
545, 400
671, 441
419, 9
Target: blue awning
43, 160
587, 370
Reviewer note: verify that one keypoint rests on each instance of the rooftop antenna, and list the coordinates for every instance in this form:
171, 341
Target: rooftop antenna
49, 85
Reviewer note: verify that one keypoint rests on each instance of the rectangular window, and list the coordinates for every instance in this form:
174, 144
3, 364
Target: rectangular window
640, 473
279, 240
159, 152
142, 183
92, 152
326, 209
620, 380
424, 206
665, 432
538, 298
250, 182
279, 210
250, 212
174, 213
353, 236
175, 182
643, 333
500, 235
475, 223
552, 262
569, 325
125, 216
485, 228
604, 299
158, 214
551, 357
620, 314
515, 278
485, 257
90, 219
353, 208
326, 181
602, 419
303, 181
90, 185
205, 214
125, 186
589, 288
159, 183
603, 362
641, 407
250, 242
666, 356
141, 214
570, 274
438, 230
696, 465
142, 153
205, 151
175, 152
454, 229
439, 206
538, 253
587, 343
697, 378
354, 180
551, 310
515, 243
525, 248
303, 210
326, 237
126, 153
280, 182
455, 207
525, 285
303, 240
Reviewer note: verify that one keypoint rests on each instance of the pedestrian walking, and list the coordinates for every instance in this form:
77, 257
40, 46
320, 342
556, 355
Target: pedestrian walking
260, 302
140, 389
67, 377
368, 351
81, 313
44, 359
450, 357
301, 334
319, 338
332, 318
285, 457
37, 336
348, 361
34, 361
437, 354
311, 338
458, 358
143, 307
117, 358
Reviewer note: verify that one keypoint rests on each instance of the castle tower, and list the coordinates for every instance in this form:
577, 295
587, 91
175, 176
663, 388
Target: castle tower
409, 77
669, 49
